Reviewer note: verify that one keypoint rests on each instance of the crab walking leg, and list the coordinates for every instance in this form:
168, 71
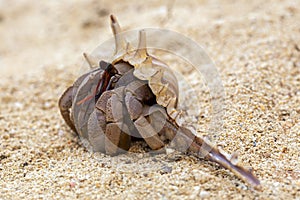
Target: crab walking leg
110, 111
105, 123
65, 103
149, 124
148, 133
96, 128
246, 174
136, 92
116, 141
202, 148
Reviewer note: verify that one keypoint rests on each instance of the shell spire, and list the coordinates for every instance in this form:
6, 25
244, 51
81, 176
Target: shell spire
120, 41
90, 60
141, 51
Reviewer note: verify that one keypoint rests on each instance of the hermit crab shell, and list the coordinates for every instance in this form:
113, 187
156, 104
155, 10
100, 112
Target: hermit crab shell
161, 79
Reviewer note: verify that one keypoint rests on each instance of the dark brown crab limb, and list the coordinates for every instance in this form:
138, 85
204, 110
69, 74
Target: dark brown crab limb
187, 140
243, 173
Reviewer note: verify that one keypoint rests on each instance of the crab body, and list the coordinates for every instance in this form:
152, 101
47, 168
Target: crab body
134, 96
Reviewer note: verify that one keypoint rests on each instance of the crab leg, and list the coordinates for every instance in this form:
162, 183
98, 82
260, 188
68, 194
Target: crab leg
216, 156
185, 139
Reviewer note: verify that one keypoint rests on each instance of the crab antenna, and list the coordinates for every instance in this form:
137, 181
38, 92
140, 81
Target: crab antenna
89, 60
142, 46
119, 39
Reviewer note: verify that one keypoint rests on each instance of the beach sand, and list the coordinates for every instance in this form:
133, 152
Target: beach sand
255, 47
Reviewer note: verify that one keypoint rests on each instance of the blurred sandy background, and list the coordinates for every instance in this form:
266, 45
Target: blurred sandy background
256, 48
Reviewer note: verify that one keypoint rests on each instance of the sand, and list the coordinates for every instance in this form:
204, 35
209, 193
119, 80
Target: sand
255, 47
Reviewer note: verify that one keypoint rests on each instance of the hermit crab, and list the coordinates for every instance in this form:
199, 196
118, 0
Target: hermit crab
134, 96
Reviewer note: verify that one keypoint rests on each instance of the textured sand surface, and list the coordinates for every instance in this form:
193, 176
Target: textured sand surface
255, 46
